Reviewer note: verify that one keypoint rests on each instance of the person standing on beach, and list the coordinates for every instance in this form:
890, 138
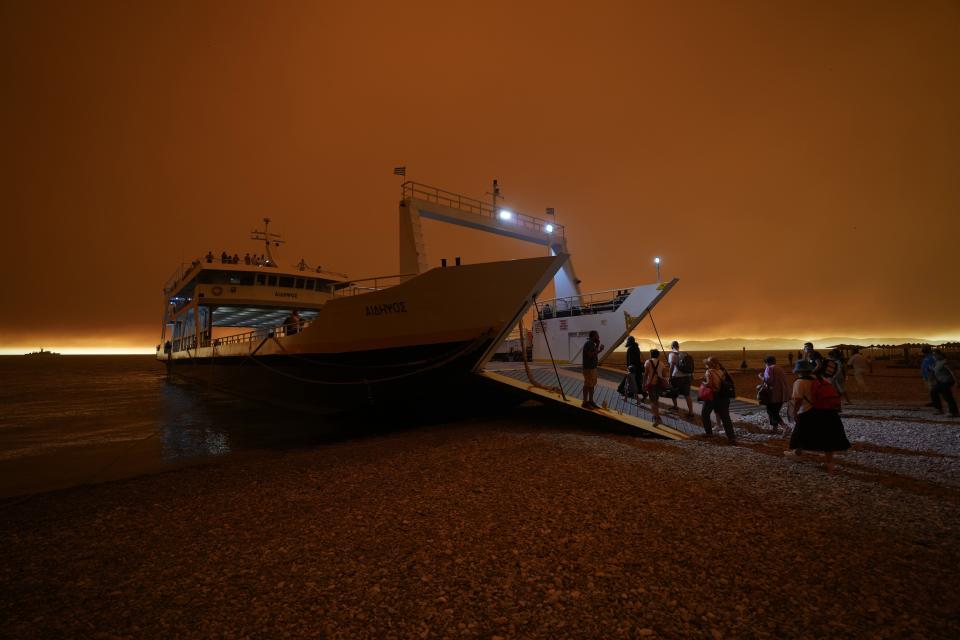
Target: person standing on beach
681, 375
926, 370
776, 380
811, 355
859, 364
716, 377
943, 382
655, 382
817, 429
591, 360
835, 372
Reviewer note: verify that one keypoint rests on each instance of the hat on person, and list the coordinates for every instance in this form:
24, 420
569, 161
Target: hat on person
631, 340
803, 366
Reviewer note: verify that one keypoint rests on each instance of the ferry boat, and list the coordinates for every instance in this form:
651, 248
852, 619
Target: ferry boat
41, 354
311, 338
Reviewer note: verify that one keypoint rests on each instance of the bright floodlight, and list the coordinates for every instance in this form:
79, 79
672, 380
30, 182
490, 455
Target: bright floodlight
656, 260
505, 214
548, 228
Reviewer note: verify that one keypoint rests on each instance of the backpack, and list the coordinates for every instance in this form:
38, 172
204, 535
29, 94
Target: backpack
686, 364
825, 395
727, 387
826, 368
943, 374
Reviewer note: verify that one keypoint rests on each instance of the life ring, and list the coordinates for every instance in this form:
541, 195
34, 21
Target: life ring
217, 291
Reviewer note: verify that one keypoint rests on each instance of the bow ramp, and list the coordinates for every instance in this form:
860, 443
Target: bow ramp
544, 387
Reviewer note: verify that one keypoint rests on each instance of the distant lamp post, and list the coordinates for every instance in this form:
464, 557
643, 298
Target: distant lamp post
656, 261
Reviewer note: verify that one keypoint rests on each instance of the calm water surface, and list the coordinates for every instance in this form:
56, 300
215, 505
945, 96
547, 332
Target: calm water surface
80, 419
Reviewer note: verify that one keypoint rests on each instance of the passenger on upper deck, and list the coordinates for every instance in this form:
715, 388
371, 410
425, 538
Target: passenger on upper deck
224, 258
209, 256
247, 259
236, 259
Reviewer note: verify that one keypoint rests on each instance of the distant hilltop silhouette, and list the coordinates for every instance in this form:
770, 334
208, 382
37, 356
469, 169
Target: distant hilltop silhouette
778, 344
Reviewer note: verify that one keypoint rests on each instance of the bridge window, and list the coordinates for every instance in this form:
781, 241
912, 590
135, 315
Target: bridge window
309, 284
272, 281
299, 283
261, 279
286, 281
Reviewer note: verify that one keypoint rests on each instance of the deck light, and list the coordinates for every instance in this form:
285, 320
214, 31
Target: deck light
656, 261
548, 228
506, 214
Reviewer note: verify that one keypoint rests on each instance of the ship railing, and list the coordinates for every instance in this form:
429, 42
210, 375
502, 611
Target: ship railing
369, 285
479, 207
583, 304
192, 342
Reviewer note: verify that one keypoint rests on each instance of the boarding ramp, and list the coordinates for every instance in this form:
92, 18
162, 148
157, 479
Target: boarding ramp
547, 382
563, 324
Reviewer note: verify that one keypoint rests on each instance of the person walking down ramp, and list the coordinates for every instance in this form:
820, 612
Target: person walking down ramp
635, 368
816, 404
655, 382
591, 360
681, 375
715, 394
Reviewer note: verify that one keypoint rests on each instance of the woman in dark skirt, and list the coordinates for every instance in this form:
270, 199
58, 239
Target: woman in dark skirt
816, 429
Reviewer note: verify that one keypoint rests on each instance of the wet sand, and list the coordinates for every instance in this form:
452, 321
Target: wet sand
527, 526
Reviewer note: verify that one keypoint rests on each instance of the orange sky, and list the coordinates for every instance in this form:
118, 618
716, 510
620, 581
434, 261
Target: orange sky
795, 164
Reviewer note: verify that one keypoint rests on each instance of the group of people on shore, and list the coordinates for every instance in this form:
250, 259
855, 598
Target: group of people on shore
813, 399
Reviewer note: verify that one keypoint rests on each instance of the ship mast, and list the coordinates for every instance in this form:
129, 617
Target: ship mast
267, 238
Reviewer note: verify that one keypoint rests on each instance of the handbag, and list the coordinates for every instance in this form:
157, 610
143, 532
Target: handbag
764, 393
706, 392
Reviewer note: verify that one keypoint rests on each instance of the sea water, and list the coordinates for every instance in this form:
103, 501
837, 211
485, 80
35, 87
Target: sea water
73, 420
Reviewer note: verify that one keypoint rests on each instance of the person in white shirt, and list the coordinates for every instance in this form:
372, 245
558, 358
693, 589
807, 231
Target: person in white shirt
679, 380
859, 364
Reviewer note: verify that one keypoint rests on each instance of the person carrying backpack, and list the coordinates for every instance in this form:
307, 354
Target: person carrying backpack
681, 375
816, 405
943, 383
718, 381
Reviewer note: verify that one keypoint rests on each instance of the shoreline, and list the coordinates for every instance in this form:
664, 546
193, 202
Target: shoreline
517, 527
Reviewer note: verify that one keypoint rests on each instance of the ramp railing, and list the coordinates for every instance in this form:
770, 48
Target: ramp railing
583, 304
480, 208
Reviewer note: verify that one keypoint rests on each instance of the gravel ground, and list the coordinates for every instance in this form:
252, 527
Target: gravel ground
526, 527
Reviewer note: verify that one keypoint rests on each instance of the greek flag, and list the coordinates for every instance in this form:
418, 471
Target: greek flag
400, 171
550, 211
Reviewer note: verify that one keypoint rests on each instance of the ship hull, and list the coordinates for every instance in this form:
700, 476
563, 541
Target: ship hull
334, 382
414, 343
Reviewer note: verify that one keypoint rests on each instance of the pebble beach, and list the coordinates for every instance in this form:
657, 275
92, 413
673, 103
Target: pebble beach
526, 526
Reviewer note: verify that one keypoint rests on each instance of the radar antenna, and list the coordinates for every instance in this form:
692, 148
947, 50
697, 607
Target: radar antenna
494, 195
267, 238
